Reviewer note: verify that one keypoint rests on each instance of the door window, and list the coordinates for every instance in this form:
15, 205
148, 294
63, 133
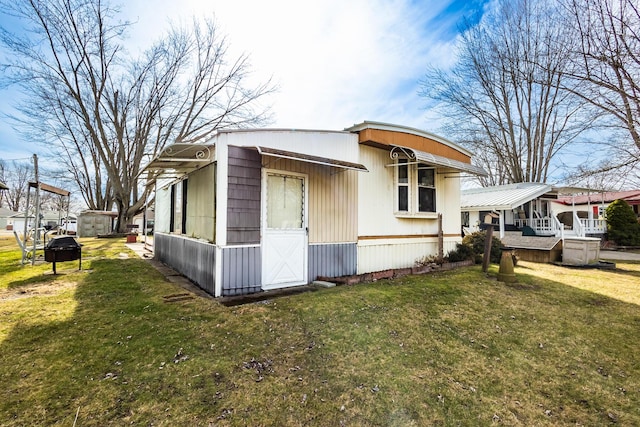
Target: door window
285, 197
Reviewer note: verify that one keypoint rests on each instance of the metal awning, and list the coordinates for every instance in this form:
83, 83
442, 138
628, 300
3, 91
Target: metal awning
502, 197
3, 186
179, 159
434, 160
311, 159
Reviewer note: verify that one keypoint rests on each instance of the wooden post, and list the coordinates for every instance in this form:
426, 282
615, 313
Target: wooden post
440, 239
487, 249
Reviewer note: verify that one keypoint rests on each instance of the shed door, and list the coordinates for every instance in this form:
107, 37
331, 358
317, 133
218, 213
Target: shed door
284, 231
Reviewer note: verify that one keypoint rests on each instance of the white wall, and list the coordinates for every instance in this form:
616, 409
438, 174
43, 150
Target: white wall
387, 240
376, 199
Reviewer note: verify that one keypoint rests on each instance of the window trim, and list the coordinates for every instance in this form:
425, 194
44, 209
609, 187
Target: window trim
413, 189
399, 184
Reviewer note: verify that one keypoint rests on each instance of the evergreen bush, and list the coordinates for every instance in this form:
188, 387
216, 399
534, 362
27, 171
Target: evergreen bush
472, 247
476, 241
461, 253
622, 224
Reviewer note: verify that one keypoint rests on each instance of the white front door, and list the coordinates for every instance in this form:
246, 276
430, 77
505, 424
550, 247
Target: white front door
284, 230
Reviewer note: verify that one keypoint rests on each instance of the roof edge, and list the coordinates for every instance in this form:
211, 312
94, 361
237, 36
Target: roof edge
407, 129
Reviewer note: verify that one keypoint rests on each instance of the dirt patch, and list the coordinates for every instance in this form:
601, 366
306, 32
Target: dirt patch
44, 289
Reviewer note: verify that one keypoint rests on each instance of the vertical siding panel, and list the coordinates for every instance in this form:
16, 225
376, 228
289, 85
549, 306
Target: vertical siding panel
230, 267
332, 201
244, 278
311, 264
253, 268
193, 259
241, 270
240, 253
394, 255
332, 260
233, 270
225, 272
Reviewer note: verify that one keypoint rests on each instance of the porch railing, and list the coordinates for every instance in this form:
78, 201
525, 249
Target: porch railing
553, 227
543, 226
593, 226
577, 225
559, 227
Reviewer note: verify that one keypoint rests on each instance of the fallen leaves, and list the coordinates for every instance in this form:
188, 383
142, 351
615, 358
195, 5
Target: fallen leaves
260, 367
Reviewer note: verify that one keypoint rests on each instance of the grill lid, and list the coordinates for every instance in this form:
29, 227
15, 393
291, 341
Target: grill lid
63, 242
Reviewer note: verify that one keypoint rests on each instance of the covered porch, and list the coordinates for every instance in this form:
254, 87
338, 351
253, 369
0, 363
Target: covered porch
528, 208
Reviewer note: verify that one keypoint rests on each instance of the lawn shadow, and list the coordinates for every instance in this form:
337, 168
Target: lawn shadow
61, 353
35, 280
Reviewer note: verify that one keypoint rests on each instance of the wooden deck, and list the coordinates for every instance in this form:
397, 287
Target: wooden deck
534, 248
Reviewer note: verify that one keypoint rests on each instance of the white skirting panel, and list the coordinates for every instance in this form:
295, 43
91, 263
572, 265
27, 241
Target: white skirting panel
379, 254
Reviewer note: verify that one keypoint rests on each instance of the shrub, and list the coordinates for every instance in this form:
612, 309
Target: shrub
622, 225
476, 242
461, 253
428, 260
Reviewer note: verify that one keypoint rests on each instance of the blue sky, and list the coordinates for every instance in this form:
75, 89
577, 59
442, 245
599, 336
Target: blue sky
336, 62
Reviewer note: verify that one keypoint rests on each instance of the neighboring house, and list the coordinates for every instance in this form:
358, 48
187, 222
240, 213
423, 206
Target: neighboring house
4, 212
15, 222
529, 221
593, 205
5, 222
147, 215
51, 219
254, 210
512, 207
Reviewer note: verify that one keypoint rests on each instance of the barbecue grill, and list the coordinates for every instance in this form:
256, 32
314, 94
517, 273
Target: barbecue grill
61, 249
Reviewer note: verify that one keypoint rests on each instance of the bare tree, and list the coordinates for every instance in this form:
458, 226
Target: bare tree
605, 71
618, 169
16, 176
107, 115
502, 97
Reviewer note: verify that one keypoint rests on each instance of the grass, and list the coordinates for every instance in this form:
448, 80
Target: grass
560, 347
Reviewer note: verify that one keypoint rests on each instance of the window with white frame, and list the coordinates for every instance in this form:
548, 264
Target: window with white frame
403, 186
178, 219
415, 188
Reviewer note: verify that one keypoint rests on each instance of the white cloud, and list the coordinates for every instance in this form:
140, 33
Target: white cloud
337, 62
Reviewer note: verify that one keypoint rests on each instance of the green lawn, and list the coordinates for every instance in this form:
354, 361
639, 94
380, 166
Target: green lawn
560, 347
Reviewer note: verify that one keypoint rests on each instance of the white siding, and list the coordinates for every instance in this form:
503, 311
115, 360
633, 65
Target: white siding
332, 199
389, 241
377, 255
162, 207
376, 193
